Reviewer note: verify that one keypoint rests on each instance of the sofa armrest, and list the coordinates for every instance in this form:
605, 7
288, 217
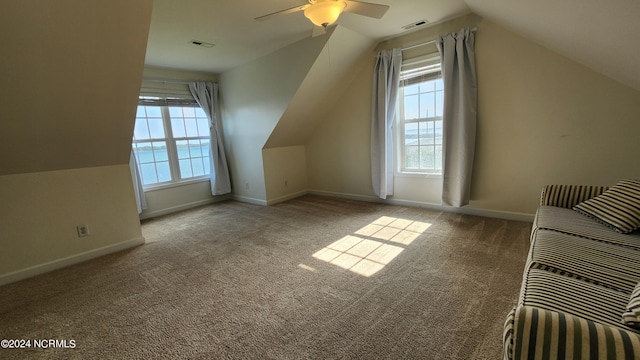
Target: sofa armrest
568, 196
535, 333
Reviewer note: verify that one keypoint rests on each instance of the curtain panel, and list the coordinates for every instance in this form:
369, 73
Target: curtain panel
457, 59
386, 79
206, 94
138, 188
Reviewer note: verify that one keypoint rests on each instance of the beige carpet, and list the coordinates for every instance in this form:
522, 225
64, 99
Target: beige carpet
311, 278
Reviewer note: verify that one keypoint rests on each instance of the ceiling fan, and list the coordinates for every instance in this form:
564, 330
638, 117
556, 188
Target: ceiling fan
323, 13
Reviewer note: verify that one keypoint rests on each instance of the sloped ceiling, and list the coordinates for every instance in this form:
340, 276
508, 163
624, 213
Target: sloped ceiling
598, 34
602, 35
71, 73
322, 86
238, 38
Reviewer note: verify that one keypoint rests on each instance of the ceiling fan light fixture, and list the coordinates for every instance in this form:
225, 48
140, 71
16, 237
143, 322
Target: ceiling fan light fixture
324, 13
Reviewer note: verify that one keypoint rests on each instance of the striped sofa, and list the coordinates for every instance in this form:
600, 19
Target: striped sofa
580, 278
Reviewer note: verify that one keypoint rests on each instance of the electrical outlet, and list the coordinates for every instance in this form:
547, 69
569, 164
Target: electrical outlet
83, 230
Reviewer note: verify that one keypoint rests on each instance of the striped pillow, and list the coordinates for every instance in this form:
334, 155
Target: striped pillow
631, 317
618, 207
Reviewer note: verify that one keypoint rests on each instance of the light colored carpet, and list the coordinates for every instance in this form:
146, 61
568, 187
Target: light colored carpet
314, 277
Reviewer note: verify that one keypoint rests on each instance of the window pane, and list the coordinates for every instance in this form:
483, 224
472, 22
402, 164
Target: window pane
411, 90
203, 127
439, 84
164, 172
175, 112
148, 173
197, 166
182, 147
141, 130
438, 131
177, 128
428, 86
412, 157
144, 153
194, 148
426, 157
411, 107
185, 168
189, 112
200, 113
439, 102
192, 127
427, 105
205, 147
426, 133
156, 129
191, 152
160, 151
411, 134
153, 111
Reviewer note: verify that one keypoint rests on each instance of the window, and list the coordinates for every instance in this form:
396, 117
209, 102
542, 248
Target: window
171, 144
421, 100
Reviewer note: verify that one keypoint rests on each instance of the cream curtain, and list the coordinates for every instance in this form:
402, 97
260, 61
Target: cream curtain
206, 94
457, 59
386, 78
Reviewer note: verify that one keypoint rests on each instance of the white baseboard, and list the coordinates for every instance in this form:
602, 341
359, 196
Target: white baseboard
161, 212
286, 197
468, 210
249, 200
68, 261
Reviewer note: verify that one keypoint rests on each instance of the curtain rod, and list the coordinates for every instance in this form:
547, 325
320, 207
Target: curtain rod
180, 82
168, 81
424, 43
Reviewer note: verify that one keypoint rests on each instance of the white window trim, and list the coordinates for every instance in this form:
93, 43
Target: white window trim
172, 153
400, 170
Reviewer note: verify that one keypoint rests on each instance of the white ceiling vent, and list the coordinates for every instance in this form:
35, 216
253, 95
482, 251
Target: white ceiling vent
415, 24
201, 43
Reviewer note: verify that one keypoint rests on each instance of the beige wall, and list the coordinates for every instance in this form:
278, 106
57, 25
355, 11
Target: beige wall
253, 98
546, 119
542, 119
284, 172
71, 73
40, 212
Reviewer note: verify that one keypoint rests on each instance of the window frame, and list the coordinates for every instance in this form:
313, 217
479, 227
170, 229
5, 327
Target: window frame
171, 141
401, 168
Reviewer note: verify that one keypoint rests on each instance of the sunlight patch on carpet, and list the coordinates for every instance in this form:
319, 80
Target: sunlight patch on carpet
373, 246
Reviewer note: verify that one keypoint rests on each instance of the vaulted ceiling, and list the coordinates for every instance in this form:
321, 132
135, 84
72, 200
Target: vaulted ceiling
598, 34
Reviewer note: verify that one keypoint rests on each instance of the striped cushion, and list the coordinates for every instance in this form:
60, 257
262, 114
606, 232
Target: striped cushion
572, 222
602, 263
557, 292
631, 317
618, 207
543, 334
568, 196
507, 335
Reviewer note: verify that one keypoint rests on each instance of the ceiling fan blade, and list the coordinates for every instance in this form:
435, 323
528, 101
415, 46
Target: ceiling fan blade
367, 9
282, 12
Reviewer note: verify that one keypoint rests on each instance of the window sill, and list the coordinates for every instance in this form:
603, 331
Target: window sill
175, 184
409, 174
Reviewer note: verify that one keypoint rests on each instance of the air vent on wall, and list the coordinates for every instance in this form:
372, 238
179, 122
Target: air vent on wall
201, 43
415, 24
